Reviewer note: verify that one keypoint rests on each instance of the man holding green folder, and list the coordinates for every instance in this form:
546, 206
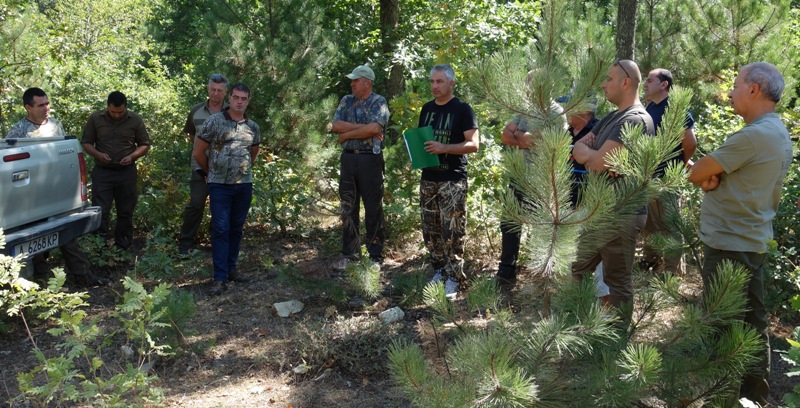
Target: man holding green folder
443, 189
359, 121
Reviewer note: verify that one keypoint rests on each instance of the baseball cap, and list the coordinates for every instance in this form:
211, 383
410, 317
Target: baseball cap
362, 71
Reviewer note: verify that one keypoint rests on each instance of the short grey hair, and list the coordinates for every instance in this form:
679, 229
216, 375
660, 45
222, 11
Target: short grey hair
218, 79
447, 69
768, 78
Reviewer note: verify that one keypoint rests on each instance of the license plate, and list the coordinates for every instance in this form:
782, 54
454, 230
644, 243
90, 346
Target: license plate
37, 245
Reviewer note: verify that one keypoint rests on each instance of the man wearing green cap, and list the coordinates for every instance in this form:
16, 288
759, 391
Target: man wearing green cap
360, 121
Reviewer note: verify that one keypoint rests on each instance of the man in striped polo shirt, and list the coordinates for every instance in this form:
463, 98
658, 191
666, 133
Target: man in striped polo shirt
198, 189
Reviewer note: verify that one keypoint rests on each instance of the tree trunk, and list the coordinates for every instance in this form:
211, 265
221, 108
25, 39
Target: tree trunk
626, 28
390, 16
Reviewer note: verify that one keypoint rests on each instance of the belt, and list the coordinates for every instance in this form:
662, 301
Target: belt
115, 167
357, 151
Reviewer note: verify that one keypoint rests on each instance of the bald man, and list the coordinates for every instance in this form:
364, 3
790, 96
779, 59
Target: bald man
621, 88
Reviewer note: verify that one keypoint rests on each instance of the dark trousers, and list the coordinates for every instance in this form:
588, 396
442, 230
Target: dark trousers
193, 211
75, 263
657, 224
229, 206
117, 186
755, 385
617, 256
361, 178
511, 237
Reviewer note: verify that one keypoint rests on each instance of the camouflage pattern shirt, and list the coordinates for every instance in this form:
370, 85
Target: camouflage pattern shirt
230, 141
354, 110
26, 128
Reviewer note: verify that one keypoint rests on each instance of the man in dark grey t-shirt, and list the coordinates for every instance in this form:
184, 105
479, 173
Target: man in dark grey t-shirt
621, 88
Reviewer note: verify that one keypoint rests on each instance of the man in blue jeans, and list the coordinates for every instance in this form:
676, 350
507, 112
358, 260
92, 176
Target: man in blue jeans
231, 141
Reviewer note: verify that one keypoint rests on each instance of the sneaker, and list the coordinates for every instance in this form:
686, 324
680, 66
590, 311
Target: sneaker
340, 264
217, 288
450, 288
438, 276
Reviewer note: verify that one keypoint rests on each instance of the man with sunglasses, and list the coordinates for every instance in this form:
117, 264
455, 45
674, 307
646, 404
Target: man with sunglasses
621, 88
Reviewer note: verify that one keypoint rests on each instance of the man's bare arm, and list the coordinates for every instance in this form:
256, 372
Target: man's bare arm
704, 171
470, 144
508, 136
597, 160
688, 144
347, 130
582, 149
199, 153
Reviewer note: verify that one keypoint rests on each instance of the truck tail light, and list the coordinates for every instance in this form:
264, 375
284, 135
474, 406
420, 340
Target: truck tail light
15, 157
84, 184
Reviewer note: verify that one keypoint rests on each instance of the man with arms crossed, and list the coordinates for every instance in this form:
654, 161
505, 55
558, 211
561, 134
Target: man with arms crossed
656, 90
360, 121
742, 182
621, 88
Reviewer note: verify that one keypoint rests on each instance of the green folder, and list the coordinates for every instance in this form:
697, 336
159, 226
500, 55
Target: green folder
415, 143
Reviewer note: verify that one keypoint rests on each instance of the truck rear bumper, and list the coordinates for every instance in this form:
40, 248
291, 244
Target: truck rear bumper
67, 227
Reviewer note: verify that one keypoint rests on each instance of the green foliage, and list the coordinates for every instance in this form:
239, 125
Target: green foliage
156, 261
95, 248
793, 358
410, 286
784, 272
358, 345
483, 295
79, 375
710, 37
285, 195
434, 297
365, 276
289, 274
578, 357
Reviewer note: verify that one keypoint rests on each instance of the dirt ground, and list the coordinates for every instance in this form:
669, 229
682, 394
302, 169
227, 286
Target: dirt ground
236, 352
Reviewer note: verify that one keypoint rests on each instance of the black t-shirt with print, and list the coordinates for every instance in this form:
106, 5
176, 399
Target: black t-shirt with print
449, 122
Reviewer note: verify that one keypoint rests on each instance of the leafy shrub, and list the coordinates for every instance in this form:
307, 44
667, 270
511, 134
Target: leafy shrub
78, 375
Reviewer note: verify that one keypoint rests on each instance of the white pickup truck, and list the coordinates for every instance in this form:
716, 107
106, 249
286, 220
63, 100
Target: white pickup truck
43, 194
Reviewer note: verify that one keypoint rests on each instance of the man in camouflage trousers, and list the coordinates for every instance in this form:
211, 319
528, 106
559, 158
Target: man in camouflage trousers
443, 189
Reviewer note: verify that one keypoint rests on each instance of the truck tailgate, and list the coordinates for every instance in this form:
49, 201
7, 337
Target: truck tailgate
49, 234
38, 180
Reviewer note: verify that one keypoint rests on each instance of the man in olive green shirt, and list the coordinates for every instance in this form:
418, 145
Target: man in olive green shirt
116, 138
742, 181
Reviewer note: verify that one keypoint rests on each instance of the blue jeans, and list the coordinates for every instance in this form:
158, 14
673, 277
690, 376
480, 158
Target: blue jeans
229, 206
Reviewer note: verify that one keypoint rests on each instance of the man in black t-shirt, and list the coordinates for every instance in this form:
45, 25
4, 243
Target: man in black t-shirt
443, 189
